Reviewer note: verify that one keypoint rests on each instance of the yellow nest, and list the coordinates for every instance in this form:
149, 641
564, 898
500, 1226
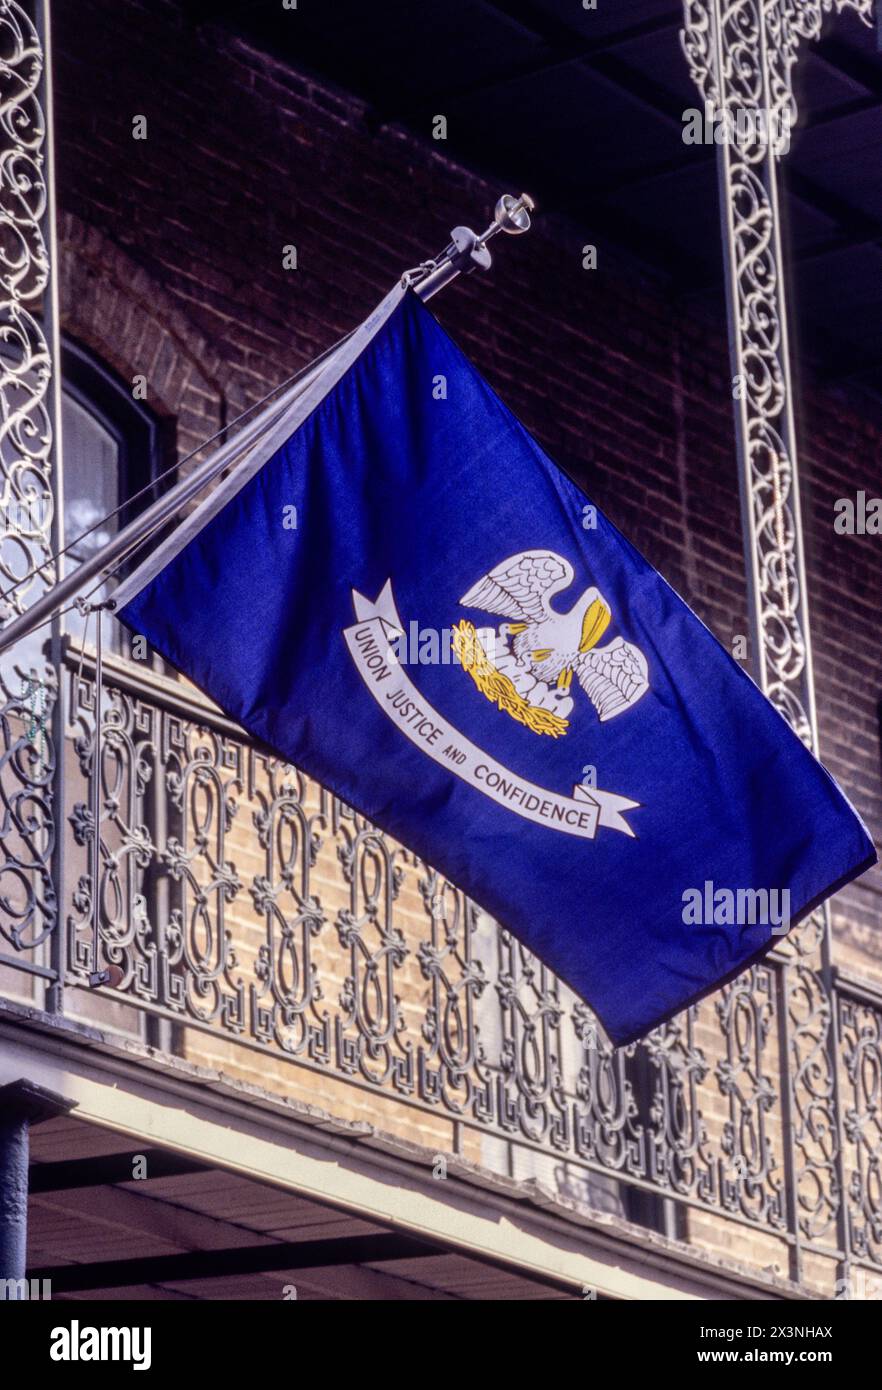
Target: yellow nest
497, 687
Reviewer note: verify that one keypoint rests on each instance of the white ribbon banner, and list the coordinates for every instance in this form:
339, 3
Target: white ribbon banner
369, 642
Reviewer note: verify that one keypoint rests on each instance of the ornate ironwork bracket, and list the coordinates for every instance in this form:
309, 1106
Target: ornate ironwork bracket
29, 482
741, 56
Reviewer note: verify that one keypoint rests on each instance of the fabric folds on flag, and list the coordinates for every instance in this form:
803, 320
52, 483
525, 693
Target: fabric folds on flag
401, 594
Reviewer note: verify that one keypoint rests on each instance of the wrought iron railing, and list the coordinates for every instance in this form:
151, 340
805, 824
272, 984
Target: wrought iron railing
240, 902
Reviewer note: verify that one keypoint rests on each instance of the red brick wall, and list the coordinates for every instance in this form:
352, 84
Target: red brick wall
173, 267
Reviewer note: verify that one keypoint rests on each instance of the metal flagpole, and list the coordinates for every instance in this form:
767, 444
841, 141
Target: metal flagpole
466, 251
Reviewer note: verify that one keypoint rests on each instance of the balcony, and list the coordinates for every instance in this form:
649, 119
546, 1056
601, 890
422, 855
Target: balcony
258, 929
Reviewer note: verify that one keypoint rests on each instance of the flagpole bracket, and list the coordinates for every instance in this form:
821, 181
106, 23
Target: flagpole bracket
467, 250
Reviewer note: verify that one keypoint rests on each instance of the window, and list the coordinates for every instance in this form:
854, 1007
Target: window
113, 447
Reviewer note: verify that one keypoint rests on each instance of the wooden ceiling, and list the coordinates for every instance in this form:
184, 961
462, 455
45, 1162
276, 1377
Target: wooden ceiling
584, 108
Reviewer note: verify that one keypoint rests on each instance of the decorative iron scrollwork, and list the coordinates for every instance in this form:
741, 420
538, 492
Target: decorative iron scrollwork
606, 1127
452, 1066
532, 1099
860, 1023
749, 1182
741, 56
28, 904
681, 1157
26, 436
285, 1001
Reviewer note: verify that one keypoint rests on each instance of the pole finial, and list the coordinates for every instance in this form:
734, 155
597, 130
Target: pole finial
466, 251
511, 215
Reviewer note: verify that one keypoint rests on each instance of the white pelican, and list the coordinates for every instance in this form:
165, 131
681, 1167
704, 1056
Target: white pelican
551, 645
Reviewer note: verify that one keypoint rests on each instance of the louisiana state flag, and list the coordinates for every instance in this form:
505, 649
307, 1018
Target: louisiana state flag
399, 592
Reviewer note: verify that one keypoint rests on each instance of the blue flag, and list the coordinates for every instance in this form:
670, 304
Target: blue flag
406, 598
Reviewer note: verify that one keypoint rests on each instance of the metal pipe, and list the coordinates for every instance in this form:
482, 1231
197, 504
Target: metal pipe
465, 252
